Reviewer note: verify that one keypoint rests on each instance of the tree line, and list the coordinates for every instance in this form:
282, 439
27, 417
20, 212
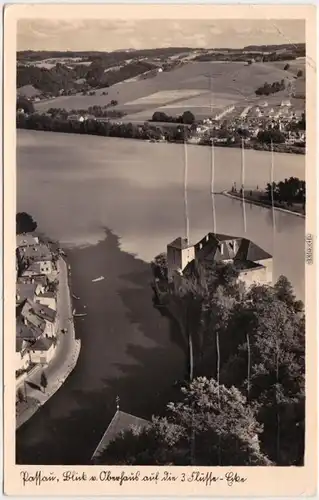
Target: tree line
268, 89
62, 77
96, 111
105, 128
243, 398
187, 118
292, 190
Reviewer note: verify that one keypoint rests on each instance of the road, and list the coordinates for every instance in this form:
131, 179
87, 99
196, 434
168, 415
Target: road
65, 357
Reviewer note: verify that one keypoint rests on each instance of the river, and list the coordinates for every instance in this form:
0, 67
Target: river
114, 204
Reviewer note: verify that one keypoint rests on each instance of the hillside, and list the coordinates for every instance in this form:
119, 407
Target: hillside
183, 88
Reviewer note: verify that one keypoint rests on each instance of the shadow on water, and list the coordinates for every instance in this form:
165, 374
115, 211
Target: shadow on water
128, 350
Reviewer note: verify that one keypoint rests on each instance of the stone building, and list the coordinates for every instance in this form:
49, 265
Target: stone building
253, 264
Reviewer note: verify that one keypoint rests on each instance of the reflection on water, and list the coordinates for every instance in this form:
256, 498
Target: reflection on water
81, 184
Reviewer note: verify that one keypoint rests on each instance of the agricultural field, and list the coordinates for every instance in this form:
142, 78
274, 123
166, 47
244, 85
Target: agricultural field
186, 88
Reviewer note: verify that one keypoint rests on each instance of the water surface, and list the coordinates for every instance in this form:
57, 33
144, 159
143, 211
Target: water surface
76, 187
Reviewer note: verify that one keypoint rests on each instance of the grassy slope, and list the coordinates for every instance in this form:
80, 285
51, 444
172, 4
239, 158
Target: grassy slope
232, 82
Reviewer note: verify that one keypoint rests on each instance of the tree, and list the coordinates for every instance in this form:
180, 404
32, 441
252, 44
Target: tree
286, 67
159, 266
193, 431
268, 136
25, 223
25, 104
299, 73
188, 118
277, 354
43, 381
286, 294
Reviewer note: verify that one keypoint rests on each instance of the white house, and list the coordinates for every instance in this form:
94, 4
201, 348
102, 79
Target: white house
46, 299
41, 267
42, 351
22, 357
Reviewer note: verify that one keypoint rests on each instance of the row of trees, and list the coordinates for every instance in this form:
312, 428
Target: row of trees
107, 128
187, 118
244, 401
292, 190
271, 88
97, 111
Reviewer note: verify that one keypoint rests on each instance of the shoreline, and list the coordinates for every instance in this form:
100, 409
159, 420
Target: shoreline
260, 204
256, 147
38, 398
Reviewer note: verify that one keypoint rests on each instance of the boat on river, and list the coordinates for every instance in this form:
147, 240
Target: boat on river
100, 278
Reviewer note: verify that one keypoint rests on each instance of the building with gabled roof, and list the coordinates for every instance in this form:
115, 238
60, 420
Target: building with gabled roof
43, 350
120, 422
26, 239
253, 264
37, 314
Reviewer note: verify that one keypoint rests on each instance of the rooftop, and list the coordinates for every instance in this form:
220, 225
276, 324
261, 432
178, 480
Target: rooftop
27, 331
35, 268
120, 422
47, 295
29, 314
40, 280
35, 252
25, 291
42, 344
43, 311
179, 243
26, 239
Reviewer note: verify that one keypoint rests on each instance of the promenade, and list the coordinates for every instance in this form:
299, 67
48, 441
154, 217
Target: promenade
63, 362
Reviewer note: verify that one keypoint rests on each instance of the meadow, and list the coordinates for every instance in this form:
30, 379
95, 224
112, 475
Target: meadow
187, 87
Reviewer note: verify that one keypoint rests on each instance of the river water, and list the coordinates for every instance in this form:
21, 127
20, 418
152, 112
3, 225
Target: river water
115, 204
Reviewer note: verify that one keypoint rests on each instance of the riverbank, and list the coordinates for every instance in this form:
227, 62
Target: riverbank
252, 199
141, 132
63, 362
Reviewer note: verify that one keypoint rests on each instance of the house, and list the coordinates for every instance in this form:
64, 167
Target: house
26, 291
121, 422
253, 264
46, 299
35, 260
26, 240
38, 268
22, 357
36, 313
42, 351
42, 280
76, 118
286, 103
26, 336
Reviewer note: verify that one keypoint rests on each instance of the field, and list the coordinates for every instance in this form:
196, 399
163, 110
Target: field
188, 88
